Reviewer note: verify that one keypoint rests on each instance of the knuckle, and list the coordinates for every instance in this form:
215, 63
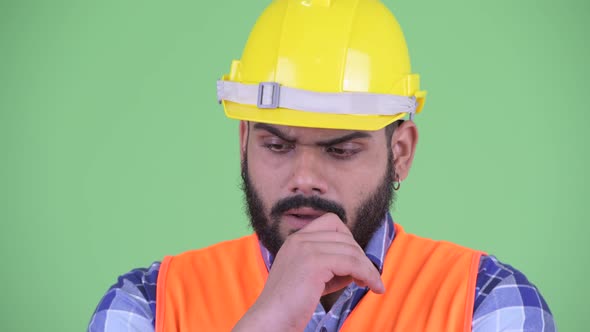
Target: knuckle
355, 249
311, 260
294, 240
352, 260
372, 273
305, 247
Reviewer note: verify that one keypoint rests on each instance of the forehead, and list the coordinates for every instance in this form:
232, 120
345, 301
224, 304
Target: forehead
310, 135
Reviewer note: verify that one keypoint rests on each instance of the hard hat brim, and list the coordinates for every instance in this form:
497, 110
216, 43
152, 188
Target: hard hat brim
288, 117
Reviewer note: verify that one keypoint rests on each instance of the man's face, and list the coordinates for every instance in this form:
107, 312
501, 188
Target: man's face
292, 175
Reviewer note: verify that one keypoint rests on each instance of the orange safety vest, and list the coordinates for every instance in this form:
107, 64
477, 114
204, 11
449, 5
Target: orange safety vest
430, 286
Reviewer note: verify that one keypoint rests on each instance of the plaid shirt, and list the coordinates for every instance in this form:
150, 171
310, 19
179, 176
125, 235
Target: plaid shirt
504, 299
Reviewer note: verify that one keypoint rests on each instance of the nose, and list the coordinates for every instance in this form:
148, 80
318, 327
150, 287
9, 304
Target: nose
307, 177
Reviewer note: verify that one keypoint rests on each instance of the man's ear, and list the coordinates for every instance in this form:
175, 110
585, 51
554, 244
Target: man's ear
243, 138
403, 144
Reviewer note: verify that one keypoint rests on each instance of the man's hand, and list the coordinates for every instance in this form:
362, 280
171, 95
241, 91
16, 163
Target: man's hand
319, 259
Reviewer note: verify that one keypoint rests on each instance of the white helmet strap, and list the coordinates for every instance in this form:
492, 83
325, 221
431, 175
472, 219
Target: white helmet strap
272, 95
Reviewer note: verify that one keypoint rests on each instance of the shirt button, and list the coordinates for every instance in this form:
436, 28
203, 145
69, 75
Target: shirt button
323, 329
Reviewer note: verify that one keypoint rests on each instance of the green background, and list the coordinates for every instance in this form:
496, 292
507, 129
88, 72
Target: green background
115, 153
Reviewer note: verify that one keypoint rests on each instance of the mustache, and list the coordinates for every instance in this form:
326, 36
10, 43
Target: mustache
314, 202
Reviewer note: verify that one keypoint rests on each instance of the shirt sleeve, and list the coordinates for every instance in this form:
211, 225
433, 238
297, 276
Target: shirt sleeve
130, 304
506, 301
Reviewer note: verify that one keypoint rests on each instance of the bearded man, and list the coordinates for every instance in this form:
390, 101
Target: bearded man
326, 102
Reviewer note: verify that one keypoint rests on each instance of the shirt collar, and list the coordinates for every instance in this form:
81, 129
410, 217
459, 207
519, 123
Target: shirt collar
375, 249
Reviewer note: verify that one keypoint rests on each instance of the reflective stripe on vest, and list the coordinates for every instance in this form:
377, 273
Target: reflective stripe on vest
430, 286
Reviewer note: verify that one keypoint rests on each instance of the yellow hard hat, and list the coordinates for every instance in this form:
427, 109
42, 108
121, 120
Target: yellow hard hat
340, 64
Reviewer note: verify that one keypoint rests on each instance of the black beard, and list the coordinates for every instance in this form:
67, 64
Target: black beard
368, 218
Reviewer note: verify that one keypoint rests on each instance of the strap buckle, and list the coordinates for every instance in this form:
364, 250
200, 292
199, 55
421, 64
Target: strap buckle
268, 95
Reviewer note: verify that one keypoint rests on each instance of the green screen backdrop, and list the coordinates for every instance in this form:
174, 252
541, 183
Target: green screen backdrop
114, 151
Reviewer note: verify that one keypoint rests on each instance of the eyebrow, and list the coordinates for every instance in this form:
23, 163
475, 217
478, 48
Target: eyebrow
275, 131
333, 141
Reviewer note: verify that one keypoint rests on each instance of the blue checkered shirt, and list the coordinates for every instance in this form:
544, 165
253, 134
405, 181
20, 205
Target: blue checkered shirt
504, 299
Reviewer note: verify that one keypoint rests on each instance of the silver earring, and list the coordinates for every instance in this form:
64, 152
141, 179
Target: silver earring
397, 183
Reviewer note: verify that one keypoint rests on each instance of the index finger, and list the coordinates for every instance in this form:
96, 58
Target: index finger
326, 222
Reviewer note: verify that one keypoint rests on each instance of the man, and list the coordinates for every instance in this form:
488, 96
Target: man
321, 91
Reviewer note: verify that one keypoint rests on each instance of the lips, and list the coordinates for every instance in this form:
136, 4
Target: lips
305, 213
298, 218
